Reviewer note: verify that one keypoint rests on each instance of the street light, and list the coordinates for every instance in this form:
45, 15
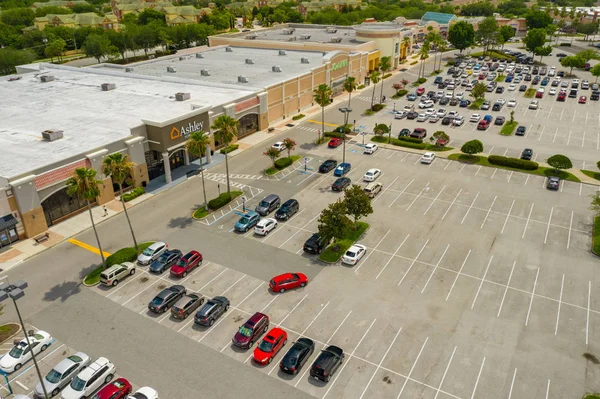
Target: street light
15, 291
390, 134
346, 111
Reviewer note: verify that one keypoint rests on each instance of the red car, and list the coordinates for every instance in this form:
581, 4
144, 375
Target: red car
481, 76
441, 142
483, 125
270, 346
582, 100
420, 91
287, 281
186, 263
334, 142
118, 389
561, 97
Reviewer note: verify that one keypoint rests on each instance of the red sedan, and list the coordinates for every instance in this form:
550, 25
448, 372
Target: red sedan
118, 389
582, 100
287, 281
270, 346
420, 91
186, 263
334, 142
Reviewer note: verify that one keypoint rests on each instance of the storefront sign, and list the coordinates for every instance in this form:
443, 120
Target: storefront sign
338, 65
186, 130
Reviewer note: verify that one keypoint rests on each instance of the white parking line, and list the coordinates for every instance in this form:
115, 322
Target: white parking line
509, 176
506, 288
269, 304
392, 257
512, 384
574, 114
433, 202
532, 295
527, 222
275, 231
548, 389
482, 280
380, 363
583, 139
412, 368
548, 227
569, 138
435, 268
468, 210
136, 295
21, 385
370, 252
417, 197
598, 138
570, 228
488, 212
453, 201
559, 303
385, 189
293, 235
401, 192
346, 363
527, 179
413, 262
507, 216
445, 372
478, 376
458, 274
587, 319
448, 162
555, 133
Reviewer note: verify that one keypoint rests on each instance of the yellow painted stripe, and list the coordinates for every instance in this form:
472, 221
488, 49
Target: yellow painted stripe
88, 247
319, 122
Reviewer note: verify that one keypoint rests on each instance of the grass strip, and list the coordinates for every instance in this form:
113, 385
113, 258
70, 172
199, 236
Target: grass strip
272, 170
509, 128
351, 236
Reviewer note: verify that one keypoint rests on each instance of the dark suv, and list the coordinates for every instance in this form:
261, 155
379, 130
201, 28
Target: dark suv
315, 244
251, 330
166, 298
327, 363
287, 209
527, 154
211, 311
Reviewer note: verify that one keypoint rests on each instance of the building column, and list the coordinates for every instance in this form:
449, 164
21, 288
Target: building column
167, 166
186, 157
30, 208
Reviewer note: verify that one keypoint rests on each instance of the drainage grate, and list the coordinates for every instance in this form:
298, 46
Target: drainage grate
290, 125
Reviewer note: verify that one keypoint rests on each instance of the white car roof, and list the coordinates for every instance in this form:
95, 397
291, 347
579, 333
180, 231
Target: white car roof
429, 154
356, 247
373, 170
89, 371
262, 222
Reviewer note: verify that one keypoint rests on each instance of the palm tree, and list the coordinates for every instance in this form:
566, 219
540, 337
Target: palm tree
423, 54
433, 38
406, 42
197, 146
385, 65
374, 77
120, 169
350, 86
442, 46
322, 96
84, 184
226, 128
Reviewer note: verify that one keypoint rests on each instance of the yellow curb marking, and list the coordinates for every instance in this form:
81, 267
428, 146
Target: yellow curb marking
88, 247
318, 122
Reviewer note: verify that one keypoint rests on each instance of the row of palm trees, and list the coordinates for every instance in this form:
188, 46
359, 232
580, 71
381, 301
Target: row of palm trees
433, 39
85, 185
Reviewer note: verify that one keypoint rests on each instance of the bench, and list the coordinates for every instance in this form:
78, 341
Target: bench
42, 238
270, 129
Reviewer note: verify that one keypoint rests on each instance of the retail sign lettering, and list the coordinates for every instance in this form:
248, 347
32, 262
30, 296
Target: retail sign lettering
186, 130
338, 65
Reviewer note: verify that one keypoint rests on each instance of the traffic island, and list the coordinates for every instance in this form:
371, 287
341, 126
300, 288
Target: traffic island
509, 128
128, 254
7, 331
332, 255
596, 237
281, 164
216, 203
410, 142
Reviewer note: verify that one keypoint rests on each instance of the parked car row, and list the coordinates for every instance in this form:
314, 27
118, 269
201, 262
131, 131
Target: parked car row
272, 202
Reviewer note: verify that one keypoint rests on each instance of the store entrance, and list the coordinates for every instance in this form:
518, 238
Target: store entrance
60, 206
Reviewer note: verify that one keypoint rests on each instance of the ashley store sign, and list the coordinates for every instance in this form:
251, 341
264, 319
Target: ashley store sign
185, 131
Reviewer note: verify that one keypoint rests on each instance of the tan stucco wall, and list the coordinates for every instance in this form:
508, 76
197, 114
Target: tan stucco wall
140, 173
106, 191
34, 222
12, 203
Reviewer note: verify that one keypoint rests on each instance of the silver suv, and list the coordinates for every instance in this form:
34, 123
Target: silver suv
62, 374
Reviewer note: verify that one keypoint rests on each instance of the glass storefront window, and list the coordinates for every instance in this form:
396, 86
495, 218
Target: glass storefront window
59, 205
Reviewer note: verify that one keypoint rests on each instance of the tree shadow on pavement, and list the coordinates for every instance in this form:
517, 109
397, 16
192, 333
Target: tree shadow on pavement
87, 270
180, 222
62, 291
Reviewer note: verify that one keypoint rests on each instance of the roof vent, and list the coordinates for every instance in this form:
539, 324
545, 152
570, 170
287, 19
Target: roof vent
282, 52
182, 58
249, 61
251, 37
335, 40
46, 78
304, 37
108, 86
129, 69
182, 96
242, 79
288, 31
276, 68
291, 39
228, 49
331, 30
171, 69
199, 55
204, 72
304, 61
52, 134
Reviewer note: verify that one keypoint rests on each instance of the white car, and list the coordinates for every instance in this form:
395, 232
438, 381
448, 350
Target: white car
144, 393
441, 112
460, 95
264, 226
448, 95
279, 146
512, 87
370, 148
434, 118
426, 104
552, 92
90, 379
501, 101
534, 104
20, 353
452, 114
409, 107
469, 87
428, 157
372, 174
475, 118
552, 72
152, 253
458, 120
512, 103
430, 112
400, 114
422, 117
353, 254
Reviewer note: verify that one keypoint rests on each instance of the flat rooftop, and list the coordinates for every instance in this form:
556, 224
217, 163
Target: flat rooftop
224, 66
343, 35
89, 117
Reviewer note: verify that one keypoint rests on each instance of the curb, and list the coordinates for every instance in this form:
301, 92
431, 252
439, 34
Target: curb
89, 285
18, 331
592, 239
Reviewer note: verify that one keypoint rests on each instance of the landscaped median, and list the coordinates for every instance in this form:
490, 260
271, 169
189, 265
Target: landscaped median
409, 142
591, 173
281, 164
216, 203
350, 237
596, 237
128, 254
509, 128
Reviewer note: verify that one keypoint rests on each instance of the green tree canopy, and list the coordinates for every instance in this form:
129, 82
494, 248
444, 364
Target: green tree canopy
358, 203
572, 61
559, 161
10, 58
472, 147
537, 19
98, 46
487, 32
595, 71
18, 17
535, 38
461, 35
506, 32
588, 54
151, 15
333, 221
479, 90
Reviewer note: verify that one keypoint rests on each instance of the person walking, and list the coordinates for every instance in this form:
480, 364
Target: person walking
105, 211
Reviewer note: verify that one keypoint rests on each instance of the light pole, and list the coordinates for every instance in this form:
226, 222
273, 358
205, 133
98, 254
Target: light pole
15, 291
346, 111
390, 134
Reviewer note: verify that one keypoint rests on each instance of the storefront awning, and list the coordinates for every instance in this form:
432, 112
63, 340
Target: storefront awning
8, 222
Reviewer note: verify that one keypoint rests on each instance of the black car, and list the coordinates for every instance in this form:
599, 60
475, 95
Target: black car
315, 244
595, 96
497, 107
500, 89
327, 363
499, 120
404, 132
211, 311
573, 93
296, 356
340, 184
327, 166
464, 103
447, 120
561, 55
186, 306
520, 131
165, 261
527, 77
536, 80
444, 101
527, 154
523, 88
166, 298
561, 74
454, 101
287, 209
412, 115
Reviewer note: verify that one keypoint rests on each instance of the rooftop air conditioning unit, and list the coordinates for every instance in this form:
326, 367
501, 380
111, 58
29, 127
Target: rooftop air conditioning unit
250, 37
47, 78
228, 49
171, 69
291, 39
276, 68
199, 55
331, 30
129, 69
304, 61
242, 79
52, 134
204, 72
249, 61
108, 86
304, 37
282, 52
182, 96
181, 58
335, 40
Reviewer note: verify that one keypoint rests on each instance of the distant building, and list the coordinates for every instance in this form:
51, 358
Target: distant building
65, 4
123, 7
181, 15
317, 5
88, 19
438, 17
518, 24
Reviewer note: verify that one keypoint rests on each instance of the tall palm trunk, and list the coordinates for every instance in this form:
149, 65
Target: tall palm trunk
373, 96
381, 92
96, 234
127, 216
227, 172
322, 124
203, 188
349, 98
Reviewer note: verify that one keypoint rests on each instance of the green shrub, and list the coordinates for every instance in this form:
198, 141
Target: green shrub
282, 163
401, 93
296, 117
408, 144
136, 192
529, 93
421, 80
387, 75
379, 139
564, 44
410, 139
378, 107
360, 87
122, 255
333, 134
414, 62
220, 201
512, 162
229, 148
369, 112
451, 63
